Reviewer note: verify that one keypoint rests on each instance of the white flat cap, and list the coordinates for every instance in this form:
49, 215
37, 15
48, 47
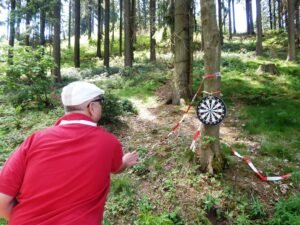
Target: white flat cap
79, 92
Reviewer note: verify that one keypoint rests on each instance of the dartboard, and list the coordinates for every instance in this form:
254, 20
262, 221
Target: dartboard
211, 110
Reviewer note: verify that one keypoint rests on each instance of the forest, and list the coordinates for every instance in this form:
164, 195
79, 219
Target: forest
159, 62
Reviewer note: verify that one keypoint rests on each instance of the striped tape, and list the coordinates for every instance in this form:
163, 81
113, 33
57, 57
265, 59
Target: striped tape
255, 170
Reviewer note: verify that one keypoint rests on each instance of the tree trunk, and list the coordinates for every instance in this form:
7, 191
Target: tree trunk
121, 28
233, 17
183, 65
89, 19
291, 31
152, 30
77, 34
106, 37
128, 48
112, 27
297, 24
19, 18
42, 26
11, 41
220, 21
279, 14
209, 153
171, 22
229, 20
250, 27
259, 48
133, 21
270, 14
274, 13
69, 24
56, 41
145, 14
28, 18
99, 28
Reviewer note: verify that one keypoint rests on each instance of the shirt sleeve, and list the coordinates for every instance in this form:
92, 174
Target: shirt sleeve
12, 173
117, 157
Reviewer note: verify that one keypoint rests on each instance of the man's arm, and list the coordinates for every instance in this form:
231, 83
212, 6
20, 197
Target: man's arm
7, 203
129, 159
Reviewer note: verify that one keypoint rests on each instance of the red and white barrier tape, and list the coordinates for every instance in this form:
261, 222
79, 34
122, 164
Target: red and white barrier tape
196, 135
250, 164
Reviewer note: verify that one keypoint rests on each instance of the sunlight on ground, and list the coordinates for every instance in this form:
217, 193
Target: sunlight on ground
143, 106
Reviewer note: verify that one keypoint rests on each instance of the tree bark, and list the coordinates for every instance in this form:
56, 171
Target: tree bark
99, 28
152, 30
69, 24
19, 18
209, 153
11, 40
220, 21
28, 18
56, 41
279, 14
106, 37
133, 21
259, 48
291, 31
77, 34
233, 17
121, 28
249, 17
183, 60
274, 13
112, 27
229, 20
89, 19
171, 22
128, 48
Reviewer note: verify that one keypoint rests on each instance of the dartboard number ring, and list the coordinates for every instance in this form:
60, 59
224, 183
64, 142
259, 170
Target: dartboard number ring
211, 110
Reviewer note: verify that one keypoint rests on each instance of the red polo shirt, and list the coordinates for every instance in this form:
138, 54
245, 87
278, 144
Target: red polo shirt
61, 175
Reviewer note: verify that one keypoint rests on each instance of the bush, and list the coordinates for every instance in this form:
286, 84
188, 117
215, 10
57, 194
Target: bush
114, 107
27, 82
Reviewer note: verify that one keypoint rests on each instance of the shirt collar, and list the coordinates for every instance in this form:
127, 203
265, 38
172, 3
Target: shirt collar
73, 116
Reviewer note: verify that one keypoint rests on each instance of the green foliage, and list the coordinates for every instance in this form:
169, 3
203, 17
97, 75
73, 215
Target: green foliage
142, 168
256, 208
287, 212
27, 82
114, 107
3, 222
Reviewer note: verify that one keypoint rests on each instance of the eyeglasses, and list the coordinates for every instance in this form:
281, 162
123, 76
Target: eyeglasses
100, 100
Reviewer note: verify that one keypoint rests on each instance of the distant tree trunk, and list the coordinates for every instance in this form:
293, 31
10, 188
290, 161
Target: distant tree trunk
183, 65
250, 27
77, 34
69, 24
209, 153
106, 37
229, 20
297, 23
11, 40
279, 14
42, 26
233, 17
112, 27
259, 48
89, 19
274, 14
291, 31
121, 28
99, 28
152, 30
133, 20
28, 18
171, 22
19, 18
220, 21
128, 48
145, 14
270, 14
56, 41
139, 16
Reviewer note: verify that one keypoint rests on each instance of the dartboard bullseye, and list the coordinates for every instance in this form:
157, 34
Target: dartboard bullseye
211, 110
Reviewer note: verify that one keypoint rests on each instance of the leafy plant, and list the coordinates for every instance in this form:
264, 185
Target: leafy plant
27, 82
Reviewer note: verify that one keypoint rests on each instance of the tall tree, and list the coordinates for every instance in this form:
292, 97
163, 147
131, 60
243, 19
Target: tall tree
183, 51
171, 22
18, 18
133, 20
69, 23
152, 30
145, 14
56, 41
99, 27
279, 9
259, 48
121, 28
128, 47
106, 38
233, 17
249, 17
77, 34
274, 13
89, 18
229, 20
220, 21
270, 14
42, 25
28, 18
11, 40
291, 31
209, 153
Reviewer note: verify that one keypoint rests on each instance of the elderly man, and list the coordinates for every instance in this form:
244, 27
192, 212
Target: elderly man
61, 175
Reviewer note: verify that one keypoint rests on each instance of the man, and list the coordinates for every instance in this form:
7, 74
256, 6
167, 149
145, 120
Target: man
61, 175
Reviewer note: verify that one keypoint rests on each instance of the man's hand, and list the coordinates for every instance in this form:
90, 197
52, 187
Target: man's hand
129, 159
7, 202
